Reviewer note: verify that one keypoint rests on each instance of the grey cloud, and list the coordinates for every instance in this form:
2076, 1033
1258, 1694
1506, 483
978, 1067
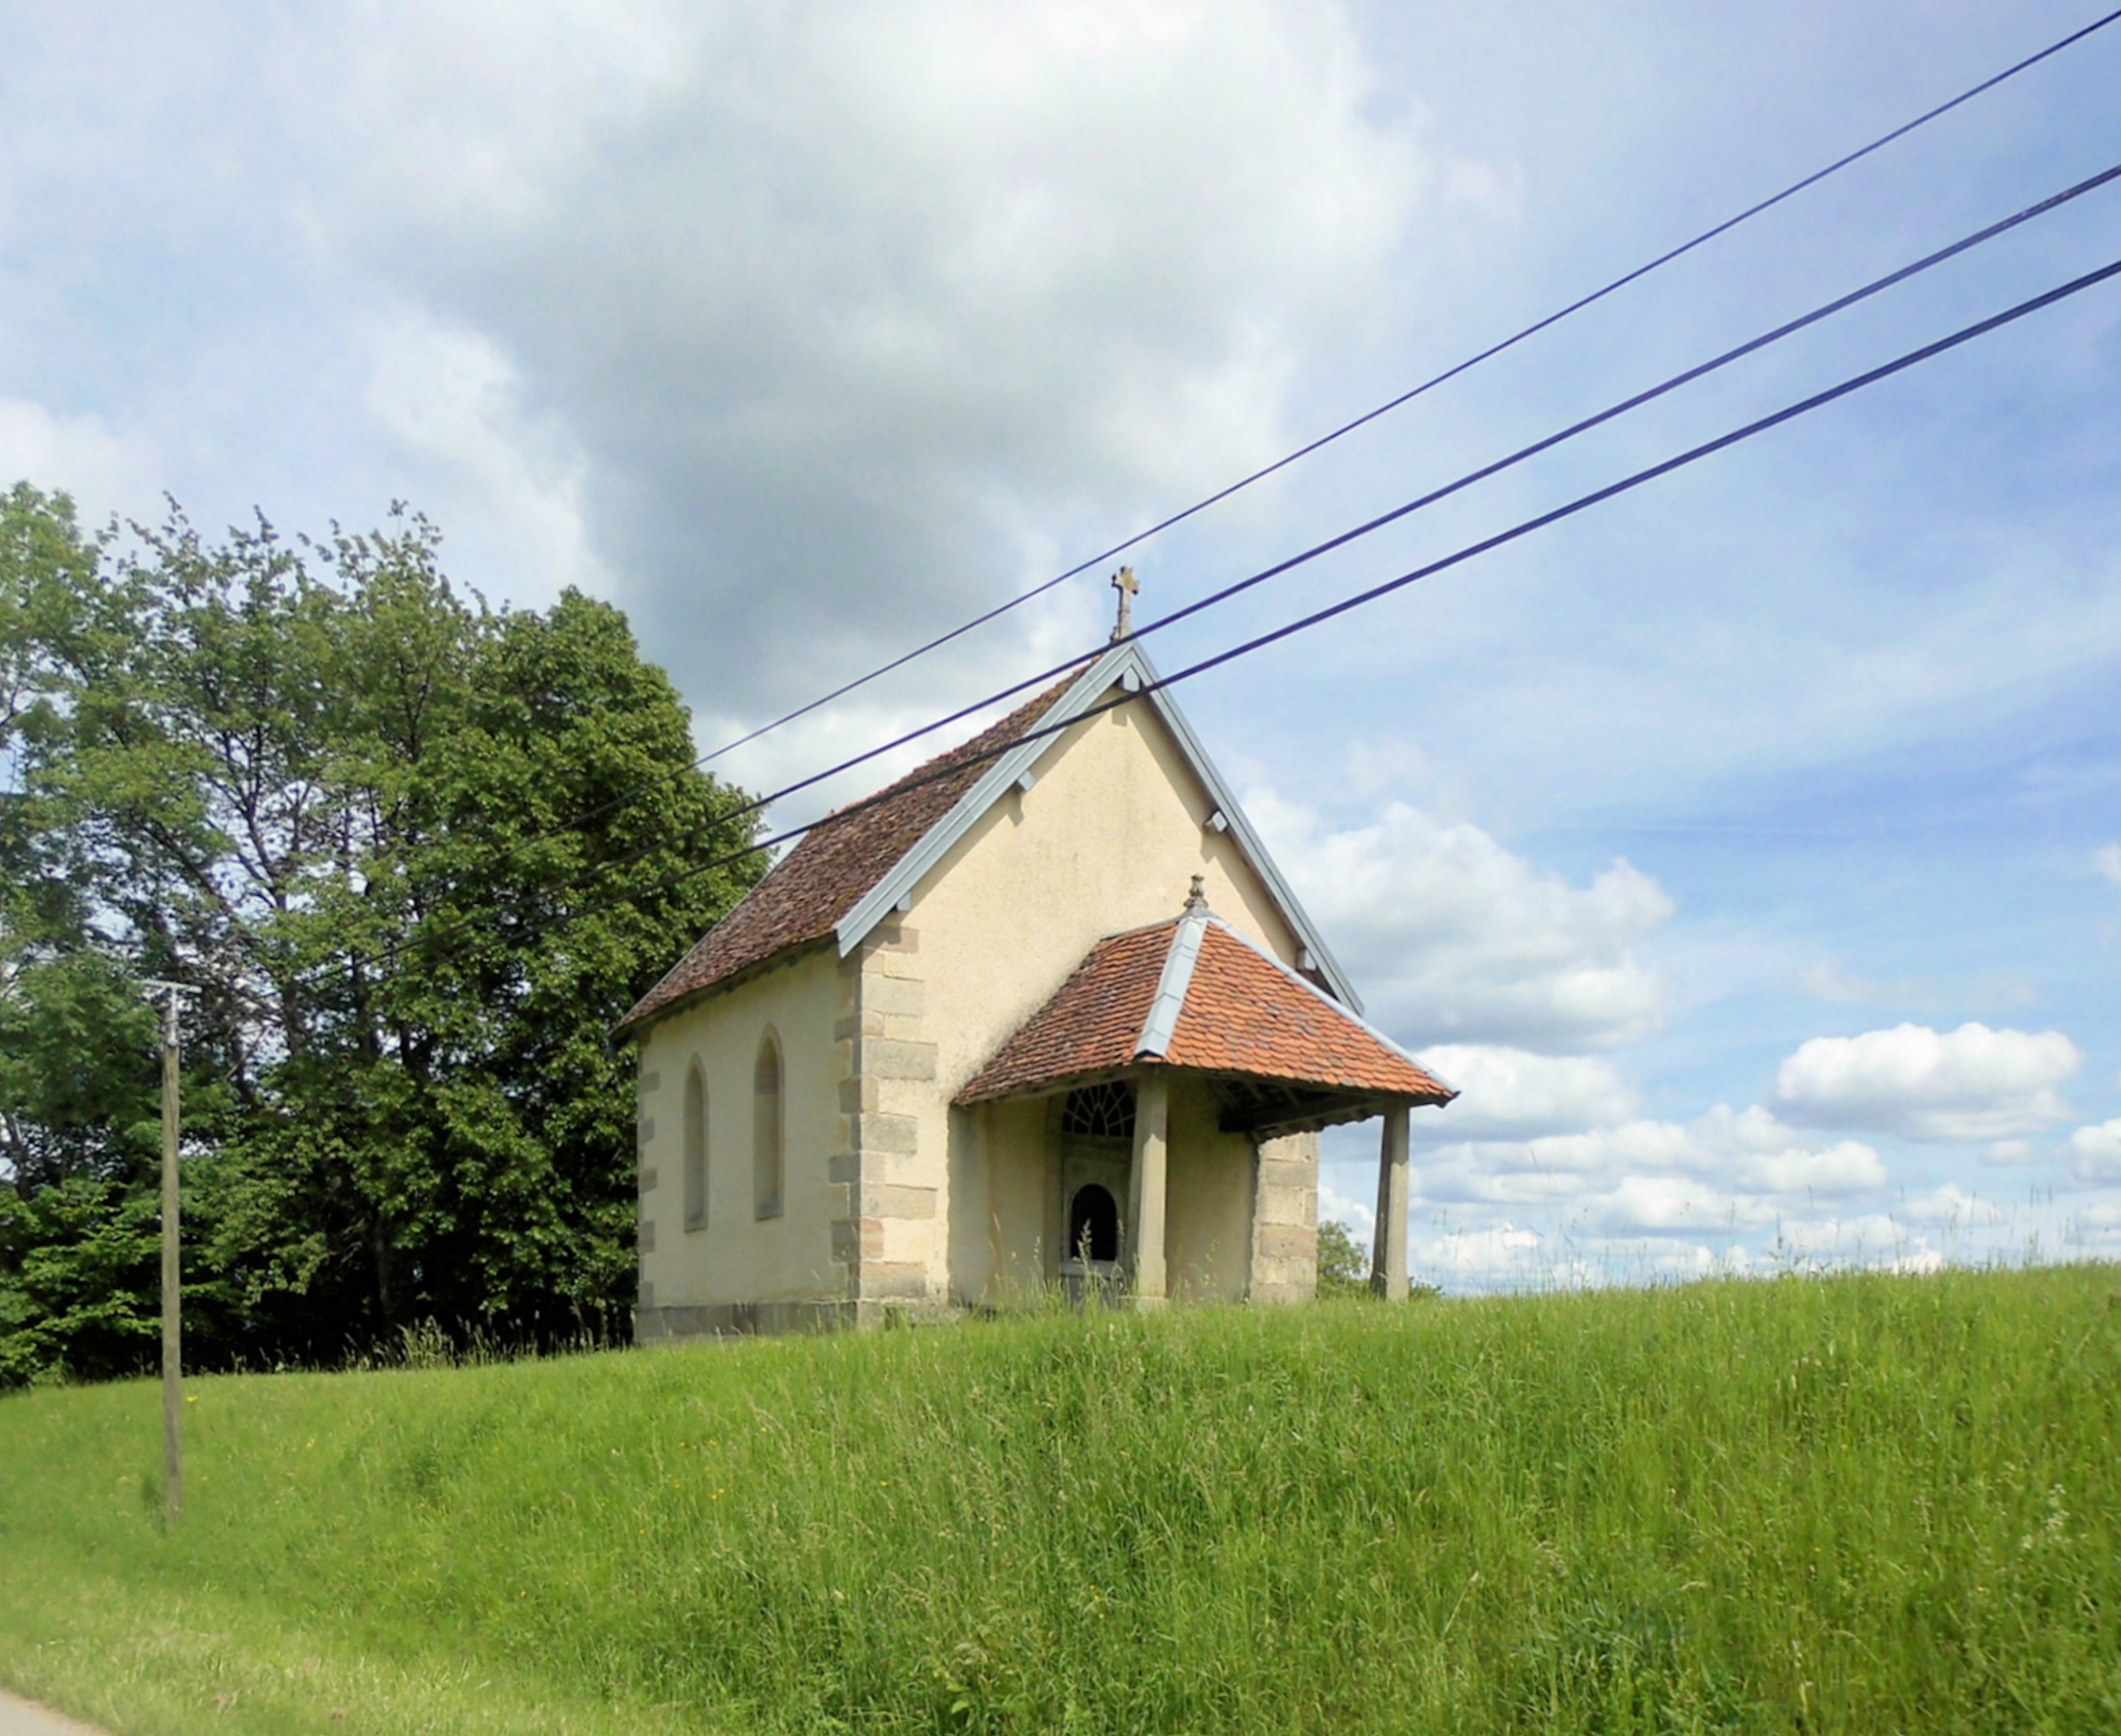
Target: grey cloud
834, 299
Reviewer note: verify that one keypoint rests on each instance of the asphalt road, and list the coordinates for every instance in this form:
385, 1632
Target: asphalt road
19, 1718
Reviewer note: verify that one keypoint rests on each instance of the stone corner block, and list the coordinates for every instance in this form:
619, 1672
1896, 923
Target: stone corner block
887, 1058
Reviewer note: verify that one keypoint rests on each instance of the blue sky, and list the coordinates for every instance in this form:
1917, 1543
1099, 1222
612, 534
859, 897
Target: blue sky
1751, 848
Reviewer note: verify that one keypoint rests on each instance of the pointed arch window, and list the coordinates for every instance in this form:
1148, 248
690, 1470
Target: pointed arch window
695, 1149
768, 1129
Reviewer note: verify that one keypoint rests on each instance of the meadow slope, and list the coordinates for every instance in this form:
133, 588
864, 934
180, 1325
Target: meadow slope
1863, 1504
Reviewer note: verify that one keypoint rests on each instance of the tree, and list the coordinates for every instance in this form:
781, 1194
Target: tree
341, 798
1343, 1268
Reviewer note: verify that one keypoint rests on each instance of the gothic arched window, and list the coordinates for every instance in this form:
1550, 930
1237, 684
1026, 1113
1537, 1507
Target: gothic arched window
695, 1149
768, 1129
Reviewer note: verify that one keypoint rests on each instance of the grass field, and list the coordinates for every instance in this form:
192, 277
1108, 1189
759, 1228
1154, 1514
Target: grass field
1862, 1504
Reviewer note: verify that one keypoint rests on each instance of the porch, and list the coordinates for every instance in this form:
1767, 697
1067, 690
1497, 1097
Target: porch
1153, 1129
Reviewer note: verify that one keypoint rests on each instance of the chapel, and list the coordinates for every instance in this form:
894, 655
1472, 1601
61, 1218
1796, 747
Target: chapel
1042, 1013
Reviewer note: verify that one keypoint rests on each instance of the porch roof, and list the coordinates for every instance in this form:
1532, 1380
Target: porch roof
1193, 993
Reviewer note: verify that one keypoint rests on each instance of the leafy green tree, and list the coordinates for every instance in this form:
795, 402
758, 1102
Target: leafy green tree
416, 854
1344, 1267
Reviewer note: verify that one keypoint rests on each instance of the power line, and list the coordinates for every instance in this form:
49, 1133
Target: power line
1368, 417
1581, 503
1685, 377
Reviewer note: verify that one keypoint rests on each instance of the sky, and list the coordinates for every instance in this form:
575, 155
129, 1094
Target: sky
1748, 849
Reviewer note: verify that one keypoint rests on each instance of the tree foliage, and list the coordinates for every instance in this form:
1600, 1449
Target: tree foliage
337, 796
1343, 1266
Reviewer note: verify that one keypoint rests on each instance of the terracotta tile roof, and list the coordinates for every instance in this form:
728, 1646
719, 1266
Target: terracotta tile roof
1092, 1024
836, 864
1238, 1011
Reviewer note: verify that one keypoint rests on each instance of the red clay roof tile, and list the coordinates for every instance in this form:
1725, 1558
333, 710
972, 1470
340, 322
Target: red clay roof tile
837, 863
1243, 1013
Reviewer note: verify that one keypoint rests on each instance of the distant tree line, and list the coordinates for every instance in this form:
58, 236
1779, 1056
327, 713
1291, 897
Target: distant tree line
332, 792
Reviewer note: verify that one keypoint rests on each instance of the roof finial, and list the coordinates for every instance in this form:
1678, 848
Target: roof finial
1126, 584
1197, 898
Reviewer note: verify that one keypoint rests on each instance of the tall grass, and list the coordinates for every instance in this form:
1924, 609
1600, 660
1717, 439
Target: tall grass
1860, 1503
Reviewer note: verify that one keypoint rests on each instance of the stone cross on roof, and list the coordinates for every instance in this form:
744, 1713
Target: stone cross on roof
1127, 585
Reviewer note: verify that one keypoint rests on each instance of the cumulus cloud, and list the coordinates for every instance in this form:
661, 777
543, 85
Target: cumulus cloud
1510, 1093
2095, 1153
1729, 1167
1500, 1254
1973, 1085
837, 298
105, 470
1458, 940
452, 400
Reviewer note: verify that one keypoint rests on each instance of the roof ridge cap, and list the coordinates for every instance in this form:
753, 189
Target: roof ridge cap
1161, 1024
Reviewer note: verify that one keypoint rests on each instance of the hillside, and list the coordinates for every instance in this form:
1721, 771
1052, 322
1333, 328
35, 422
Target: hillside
1857, 1504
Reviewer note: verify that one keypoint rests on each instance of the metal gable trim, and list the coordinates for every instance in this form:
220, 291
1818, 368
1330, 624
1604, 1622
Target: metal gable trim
1114, 663
910, 868
1169, 1001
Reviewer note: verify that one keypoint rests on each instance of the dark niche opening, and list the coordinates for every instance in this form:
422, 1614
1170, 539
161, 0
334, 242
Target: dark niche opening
1093, 1224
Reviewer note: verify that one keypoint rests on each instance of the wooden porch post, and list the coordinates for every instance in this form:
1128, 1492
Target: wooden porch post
1151, 1109
1388, 1255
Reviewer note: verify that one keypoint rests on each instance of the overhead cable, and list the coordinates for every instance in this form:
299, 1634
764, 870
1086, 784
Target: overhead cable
1430, 384
1636, 479
1686, 377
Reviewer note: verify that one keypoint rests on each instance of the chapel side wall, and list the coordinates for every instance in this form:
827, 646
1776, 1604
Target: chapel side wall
1209, 1185
741, 1272
1107, 838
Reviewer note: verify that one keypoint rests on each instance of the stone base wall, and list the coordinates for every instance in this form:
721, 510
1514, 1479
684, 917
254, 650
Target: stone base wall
673, 1324
1286, 1220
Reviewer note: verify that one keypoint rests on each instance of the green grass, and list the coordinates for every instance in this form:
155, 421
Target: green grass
1863, 1504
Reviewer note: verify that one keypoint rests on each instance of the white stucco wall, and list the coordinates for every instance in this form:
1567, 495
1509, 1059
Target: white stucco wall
1107, 838
738, 1258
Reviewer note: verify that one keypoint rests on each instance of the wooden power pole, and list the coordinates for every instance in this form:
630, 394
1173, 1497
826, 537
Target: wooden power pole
173, 1376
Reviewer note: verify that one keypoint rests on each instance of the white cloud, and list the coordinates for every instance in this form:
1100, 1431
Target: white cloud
1951, 1206
1729, 1169
1973, 1085
1849, 1166
451, 399
1514, 1092
105, 470
2095, 1153
1359, 1215
2107, 860
1458, 940
1500, 1254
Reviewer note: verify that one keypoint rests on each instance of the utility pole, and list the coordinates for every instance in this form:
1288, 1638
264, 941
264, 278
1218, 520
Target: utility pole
173, 1376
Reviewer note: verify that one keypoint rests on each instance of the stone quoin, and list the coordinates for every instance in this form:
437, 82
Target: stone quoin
1042, 1013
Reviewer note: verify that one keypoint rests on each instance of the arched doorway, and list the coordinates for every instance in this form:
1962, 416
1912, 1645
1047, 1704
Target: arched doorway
1093, 1225
1097, 1157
